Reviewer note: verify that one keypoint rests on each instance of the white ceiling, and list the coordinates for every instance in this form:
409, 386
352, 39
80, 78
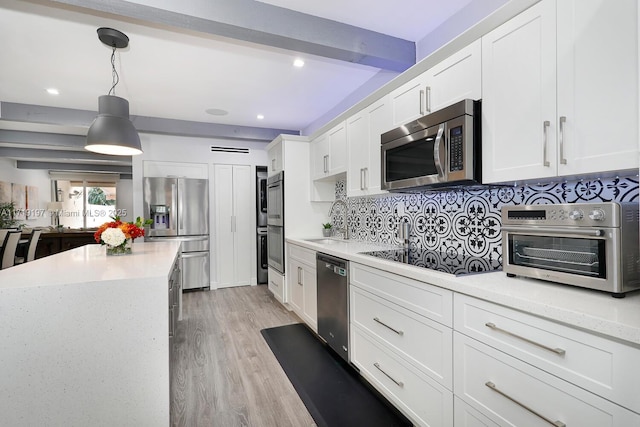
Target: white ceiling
172, 73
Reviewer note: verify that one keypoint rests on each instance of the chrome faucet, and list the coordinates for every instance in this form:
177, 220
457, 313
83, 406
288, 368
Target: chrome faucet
345, 229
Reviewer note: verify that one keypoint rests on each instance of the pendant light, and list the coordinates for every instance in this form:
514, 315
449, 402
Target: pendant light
111, 131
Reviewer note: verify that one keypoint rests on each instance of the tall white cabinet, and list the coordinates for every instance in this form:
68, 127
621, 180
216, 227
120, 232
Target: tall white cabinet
560, 94
234, 230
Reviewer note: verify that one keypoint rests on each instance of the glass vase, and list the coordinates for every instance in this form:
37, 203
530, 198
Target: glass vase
123, 249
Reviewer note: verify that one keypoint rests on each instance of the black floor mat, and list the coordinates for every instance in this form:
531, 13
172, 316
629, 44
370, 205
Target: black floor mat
331, 390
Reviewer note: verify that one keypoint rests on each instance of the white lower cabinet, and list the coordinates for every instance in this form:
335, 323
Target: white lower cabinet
423, 342
513, 393
276, 285
465, 415
518, 369
302, 284
401, 341
424, 401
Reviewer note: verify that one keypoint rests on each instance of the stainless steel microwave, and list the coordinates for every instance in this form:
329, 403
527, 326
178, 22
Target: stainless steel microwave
438, 150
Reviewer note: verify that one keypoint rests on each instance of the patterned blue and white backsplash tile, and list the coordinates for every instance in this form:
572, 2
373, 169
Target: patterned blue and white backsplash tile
465, 221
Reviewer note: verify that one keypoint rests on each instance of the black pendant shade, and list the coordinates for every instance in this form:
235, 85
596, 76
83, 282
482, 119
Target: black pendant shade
111, 131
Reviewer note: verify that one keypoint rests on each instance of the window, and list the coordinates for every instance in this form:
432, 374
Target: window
85, 204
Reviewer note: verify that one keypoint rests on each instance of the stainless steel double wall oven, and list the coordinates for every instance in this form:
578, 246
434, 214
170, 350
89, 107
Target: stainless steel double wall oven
261, 224
275, 221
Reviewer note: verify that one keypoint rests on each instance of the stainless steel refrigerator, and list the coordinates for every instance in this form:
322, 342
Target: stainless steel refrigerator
179, 210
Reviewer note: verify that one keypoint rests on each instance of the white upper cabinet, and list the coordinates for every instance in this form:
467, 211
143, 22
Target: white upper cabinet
407, 101
275, 156
456, 78
320, 156
363, 142
329, 153
597, 113
554, 83
518, 104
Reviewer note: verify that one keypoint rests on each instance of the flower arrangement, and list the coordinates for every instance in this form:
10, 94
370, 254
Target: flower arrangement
118, 235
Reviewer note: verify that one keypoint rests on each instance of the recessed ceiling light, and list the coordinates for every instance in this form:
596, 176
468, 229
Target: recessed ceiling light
260, 116
53, 91
298, 63
216, 112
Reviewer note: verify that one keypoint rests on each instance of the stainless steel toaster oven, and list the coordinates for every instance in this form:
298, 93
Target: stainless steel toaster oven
591, 245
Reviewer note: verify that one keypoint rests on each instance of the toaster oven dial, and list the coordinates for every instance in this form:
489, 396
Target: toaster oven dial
576, 215
597, 215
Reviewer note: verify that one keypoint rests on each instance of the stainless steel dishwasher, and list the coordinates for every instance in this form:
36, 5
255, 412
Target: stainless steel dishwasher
333, 302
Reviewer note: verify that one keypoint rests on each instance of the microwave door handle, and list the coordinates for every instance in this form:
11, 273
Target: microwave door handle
436, 151
588, 232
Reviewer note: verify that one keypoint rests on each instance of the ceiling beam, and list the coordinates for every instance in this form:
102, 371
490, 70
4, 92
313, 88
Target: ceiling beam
261, 23
42, 138
27, 113
62, 155
21, 164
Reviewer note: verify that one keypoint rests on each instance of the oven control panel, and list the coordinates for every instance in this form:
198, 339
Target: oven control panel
577, 214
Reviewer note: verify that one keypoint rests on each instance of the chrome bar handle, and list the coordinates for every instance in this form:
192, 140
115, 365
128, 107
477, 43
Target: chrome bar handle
398, 383
397, 331
325, 160
563, 120
428, 98
558, 351
436, 151
422, 96
493, 387
545, 132
299, 279
554, 231
361, 179
366, 177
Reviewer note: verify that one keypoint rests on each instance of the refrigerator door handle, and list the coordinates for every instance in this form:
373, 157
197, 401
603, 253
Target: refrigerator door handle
178, 203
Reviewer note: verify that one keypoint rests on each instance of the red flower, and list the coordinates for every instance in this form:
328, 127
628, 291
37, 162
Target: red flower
130, 230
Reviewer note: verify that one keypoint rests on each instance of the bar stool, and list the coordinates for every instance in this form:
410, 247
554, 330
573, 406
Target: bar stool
3, 234
8, 251
31, 250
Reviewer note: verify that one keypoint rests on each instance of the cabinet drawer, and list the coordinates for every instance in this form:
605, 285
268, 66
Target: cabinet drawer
422, 341
276, 285
423, 400
303, 254
589, 361
427, 300
503, 387
465, 415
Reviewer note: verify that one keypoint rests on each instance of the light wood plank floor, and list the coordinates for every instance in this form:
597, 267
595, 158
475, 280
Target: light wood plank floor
224, 372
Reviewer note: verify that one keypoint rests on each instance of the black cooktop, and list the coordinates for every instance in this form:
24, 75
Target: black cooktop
448, 262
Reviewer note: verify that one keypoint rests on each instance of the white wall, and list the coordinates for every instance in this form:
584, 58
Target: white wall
457, 24
38, 178
167, 148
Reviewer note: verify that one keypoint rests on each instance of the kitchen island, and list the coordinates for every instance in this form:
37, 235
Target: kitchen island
85, 338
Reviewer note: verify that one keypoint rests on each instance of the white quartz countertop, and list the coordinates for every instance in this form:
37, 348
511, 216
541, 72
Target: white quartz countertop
90, 263
583, 308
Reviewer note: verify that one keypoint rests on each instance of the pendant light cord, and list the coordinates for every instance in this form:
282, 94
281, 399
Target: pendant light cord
115, 78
